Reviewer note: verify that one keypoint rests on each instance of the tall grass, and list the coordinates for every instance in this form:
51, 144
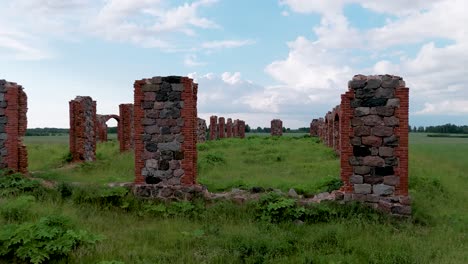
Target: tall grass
228, 233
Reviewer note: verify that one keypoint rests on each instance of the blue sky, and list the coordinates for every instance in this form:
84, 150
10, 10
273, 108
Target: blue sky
253, 60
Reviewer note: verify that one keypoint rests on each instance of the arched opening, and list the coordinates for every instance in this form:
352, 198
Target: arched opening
104, 122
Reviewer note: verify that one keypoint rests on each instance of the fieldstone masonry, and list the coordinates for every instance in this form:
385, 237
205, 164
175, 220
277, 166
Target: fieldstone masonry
221, 127
213, 128
165, 117
13, 123
276, 127
201, 130
83, 129
374, 136
126, 129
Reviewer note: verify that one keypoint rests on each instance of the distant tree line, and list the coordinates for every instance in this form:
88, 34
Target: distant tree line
46, 131
50, 131
447, 128
285, 130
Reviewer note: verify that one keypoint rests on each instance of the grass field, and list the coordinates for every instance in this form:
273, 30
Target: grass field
144, 232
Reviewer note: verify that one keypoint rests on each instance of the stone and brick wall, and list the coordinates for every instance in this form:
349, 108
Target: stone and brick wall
213, 127
276, 127
83, 129
314, 128
165, 118
229, 132
126, 130
201, 130
221, 127
235, 128
101, 126
374, 138
13, 123
336, 113
241, 128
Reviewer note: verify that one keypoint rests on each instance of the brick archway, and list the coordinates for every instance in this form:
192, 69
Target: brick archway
102, 126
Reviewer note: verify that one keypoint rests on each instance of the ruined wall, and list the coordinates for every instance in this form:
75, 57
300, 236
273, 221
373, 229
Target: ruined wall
336, 129
201, 130
101, 127
13, 123
276, 127
213, 127
83, 129
221, 127
314, 128
165, 118
374, 142
126, 130
235, 128
241, 128
229, 132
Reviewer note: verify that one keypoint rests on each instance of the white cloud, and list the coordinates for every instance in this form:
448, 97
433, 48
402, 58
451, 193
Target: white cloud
285, 13
446, 107
222, 44
234, 78
435, 74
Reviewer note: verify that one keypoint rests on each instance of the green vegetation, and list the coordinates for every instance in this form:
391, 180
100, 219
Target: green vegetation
272, 230
302, 163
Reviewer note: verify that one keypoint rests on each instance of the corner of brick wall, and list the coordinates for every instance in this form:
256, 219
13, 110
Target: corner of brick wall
374, 143
165, 121
13, 124
126, 130
83, 129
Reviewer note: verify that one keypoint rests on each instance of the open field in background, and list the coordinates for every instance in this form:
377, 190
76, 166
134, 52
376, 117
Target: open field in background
229, 233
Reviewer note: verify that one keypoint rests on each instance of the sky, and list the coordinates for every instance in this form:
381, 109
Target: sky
253, 60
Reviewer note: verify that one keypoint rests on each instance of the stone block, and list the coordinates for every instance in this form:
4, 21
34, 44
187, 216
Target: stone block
383, 189
362, 188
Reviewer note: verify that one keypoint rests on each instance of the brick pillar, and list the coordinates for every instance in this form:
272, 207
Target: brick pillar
201, 130
213, 128
126, 130
165, 117
83, 129
235, 128
276, 127
336, 129
13, 123
314, 128
221, 127
229, 128
374, 142
241, 130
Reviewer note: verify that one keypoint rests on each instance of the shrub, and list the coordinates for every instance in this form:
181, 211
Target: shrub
275, 208
50, 238
16, 184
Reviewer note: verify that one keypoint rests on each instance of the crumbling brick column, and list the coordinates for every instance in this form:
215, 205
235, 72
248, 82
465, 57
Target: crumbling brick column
235, 128
165, 118
329, 129
221, 127
374, 142
276, 127
241, 131
336, 129
213, 128
13, 123
126, 129
229, 128
83, 129
201, 130
314, 128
